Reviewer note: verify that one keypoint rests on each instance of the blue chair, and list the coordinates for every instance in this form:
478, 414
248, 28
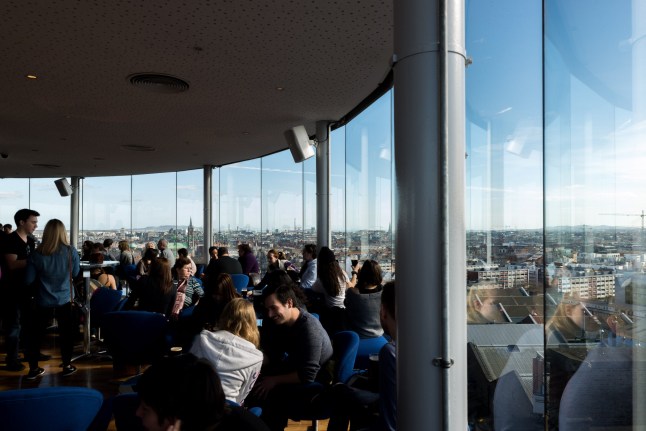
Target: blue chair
200, 270
240, 281
135, 337
57, 408
103, 301
367, 347
345, 345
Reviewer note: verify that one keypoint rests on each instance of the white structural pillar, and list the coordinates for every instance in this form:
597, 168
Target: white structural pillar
429, 167
74, 212
208, 210
323, 232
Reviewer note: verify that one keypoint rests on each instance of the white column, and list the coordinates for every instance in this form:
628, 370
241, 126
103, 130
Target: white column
431, 242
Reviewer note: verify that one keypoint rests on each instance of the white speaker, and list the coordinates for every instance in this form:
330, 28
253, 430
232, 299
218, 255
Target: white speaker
299, 143
64, 188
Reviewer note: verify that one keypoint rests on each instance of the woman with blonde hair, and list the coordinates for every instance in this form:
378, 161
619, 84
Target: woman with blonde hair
233, 349
571, 321
482, 306
51, 269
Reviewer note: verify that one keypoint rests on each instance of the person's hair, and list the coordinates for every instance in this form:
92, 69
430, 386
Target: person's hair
7, 226
282, 256
369, 274
311, 249
239, 318
23, 215
388, 299
182, 252
160, 274
222, 251
107, 243
273, 252
123, 245
150, 254
98, 246
283, 293
212, 248
329, 272
54, 236
97, 258
163, 242
181, 261
186, 388
88, 244
225, 290
479, 293
245, 248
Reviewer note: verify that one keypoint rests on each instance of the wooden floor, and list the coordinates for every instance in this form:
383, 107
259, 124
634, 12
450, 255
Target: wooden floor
93, 372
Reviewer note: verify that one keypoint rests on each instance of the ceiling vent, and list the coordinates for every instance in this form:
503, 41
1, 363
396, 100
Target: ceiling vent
139, 148
158, 83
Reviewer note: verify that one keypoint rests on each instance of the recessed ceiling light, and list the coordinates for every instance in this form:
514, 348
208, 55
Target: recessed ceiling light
98, 158
280, 88
31, 76
141, 148
245, 133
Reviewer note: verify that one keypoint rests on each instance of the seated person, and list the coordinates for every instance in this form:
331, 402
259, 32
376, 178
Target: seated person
184, 393
143, 266
223, 264
154, 292
233, 349
182, 252
296, 347
362, 303
277, 262
99, 278
186, 283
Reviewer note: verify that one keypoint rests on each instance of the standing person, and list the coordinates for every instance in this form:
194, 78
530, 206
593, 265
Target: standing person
15, 294
51, 267
165, 252
296, 347
308, 270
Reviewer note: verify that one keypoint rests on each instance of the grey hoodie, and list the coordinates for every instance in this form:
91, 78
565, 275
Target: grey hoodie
236, 360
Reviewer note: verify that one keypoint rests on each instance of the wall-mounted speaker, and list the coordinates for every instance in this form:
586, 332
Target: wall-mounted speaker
64, 188
299, 143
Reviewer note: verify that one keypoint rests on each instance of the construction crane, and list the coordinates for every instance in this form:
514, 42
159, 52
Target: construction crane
629, 215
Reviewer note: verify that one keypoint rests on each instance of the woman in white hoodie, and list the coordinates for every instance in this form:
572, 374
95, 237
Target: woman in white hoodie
233, 349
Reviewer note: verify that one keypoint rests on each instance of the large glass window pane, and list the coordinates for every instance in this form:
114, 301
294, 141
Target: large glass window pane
105, 209
595, 105
240, 206
282, 206
337, 191
309, 201
369, 184
14, 195
154, 206
190, 210
45, 198
504, 214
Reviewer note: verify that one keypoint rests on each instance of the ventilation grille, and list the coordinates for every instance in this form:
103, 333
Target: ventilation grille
158, 83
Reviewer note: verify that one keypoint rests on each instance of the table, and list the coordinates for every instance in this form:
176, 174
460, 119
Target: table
86, 267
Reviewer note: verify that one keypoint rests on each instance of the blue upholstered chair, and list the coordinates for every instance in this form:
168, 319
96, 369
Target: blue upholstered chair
61, 408
135, 337
240, 281
367, 347
345, 345
104, 300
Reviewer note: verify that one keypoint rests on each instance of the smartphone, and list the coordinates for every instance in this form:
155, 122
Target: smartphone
354, 262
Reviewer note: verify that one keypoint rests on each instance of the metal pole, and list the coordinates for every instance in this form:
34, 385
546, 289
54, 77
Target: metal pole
429, 165
323, 233
208, 211
74, 212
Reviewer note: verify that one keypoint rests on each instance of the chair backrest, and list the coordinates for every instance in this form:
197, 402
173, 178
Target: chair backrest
136, 337
200, 270
367, 347
345, 345
51, 408
240, 281
103, 301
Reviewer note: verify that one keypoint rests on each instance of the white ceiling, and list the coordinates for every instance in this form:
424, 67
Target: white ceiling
81, 110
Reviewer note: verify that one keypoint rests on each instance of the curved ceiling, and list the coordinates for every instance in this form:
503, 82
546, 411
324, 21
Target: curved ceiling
254, 69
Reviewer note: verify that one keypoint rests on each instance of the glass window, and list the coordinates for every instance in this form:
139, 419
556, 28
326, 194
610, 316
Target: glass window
45, 199
369, 184
154, 206
190, 210
240, 206
309, 201
14, 195
105, 209
504, 204
337, 191
595, 111
282, 205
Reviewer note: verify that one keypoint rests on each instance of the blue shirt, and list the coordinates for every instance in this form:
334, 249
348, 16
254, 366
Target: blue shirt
52, 275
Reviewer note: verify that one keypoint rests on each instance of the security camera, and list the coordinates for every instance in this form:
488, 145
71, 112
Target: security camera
4, 155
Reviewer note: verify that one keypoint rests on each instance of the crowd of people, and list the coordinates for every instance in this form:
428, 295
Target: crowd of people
264, 350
